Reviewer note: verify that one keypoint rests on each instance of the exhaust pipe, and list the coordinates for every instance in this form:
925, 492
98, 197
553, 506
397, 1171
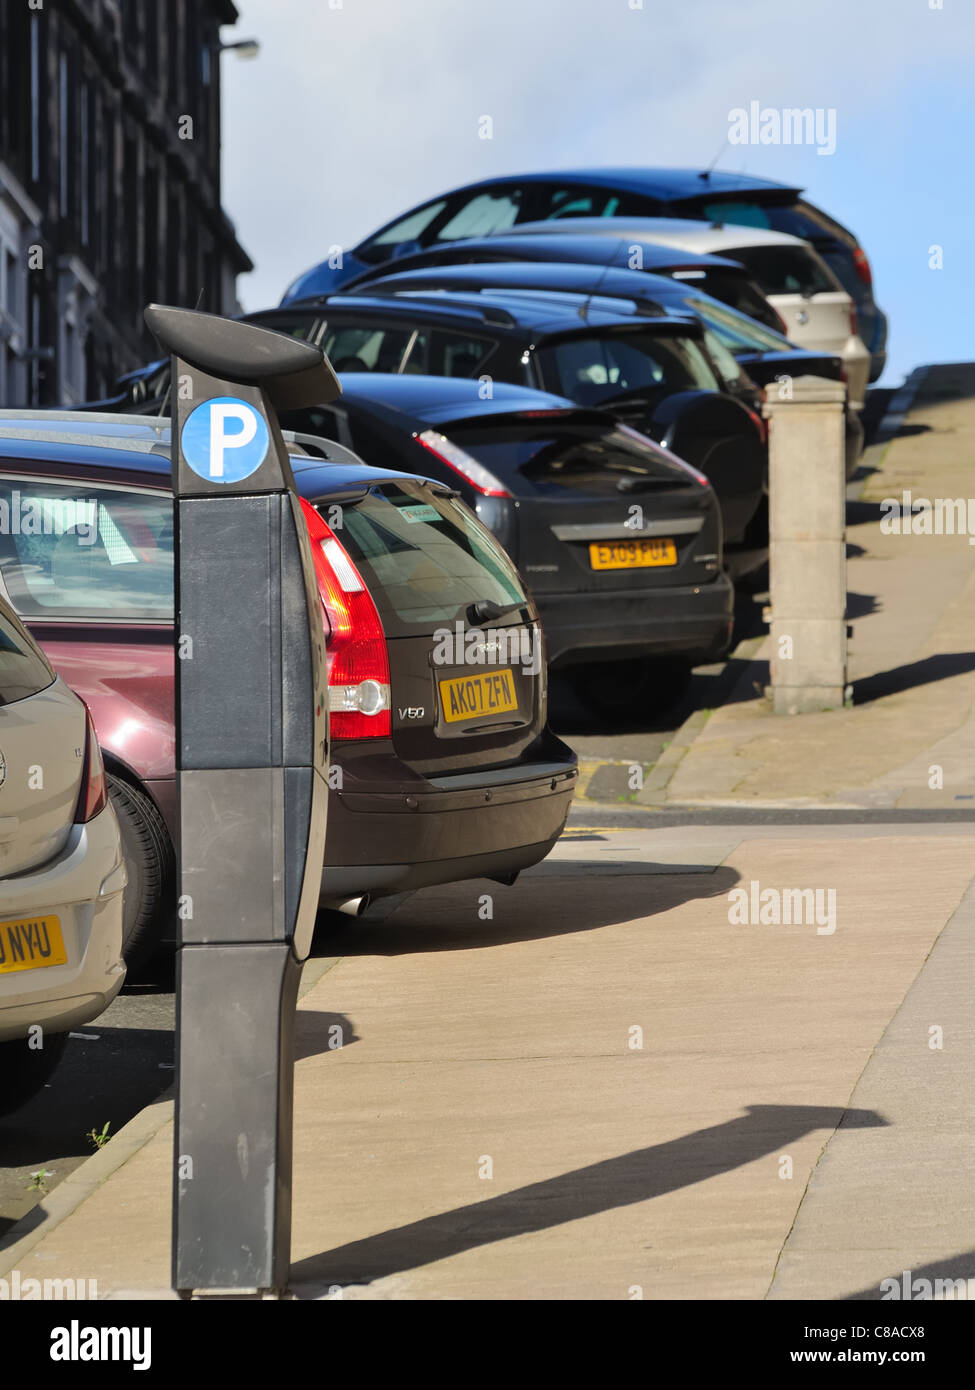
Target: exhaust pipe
351, 907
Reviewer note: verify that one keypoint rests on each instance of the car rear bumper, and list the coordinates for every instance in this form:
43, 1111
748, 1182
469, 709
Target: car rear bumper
693, 622
83, 888
487, 824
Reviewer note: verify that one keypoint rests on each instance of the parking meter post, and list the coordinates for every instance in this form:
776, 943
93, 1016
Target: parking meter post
252, 768
807, 546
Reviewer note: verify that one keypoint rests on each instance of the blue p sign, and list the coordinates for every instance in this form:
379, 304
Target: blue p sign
225, 440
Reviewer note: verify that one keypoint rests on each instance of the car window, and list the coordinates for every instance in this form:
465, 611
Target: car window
366, 349
598, 370
425, 558
737, 331
408, 228
23, 670
785, 269
734, 289
70, 550
303, 326
578, 201
483, 214
444, 353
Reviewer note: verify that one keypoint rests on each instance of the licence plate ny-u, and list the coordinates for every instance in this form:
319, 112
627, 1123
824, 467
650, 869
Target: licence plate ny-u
628, 555
31, 943
471, 697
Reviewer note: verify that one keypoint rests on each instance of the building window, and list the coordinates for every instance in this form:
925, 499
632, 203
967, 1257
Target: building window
84, 172
64, 126
35, 99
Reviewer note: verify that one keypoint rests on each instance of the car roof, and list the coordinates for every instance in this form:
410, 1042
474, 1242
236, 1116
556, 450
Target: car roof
704, 238
582, 278
525, 312
655, 182
563, 245
140, 444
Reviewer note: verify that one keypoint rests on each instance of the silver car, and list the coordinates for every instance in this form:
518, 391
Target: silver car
62, 874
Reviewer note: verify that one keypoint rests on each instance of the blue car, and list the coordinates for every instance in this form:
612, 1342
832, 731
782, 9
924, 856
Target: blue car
492, 206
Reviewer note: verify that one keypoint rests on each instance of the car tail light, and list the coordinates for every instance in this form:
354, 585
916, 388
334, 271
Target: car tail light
854, 321
94, 789
862, 266
461, 463
760, 424
358, 659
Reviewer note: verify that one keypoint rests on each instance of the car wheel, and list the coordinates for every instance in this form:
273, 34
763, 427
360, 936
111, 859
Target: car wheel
639, 688
25, 1070
151, 867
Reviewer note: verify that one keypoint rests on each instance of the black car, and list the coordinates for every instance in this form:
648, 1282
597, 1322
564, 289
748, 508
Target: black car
747, 355
494, 205
650, 370
442, 766
725, 279
619, 540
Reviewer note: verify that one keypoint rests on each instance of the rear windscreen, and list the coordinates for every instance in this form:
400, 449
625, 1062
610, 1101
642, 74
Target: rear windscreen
425, 558
567, 459
600, 370
74, 550
786, 269
738, 291
23, 671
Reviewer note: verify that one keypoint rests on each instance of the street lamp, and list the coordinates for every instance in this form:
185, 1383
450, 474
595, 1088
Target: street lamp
245, 48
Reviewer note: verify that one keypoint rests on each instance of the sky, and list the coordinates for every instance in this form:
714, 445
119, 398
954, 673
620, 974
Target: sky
355, 110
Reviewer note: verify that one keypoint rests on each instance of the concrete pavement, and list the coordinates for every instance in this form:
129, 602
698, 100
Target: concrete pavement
909, 740
603, 1090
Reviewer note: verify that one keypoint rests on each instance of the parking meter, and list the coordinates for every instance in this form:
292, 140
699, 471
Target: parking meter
251, 771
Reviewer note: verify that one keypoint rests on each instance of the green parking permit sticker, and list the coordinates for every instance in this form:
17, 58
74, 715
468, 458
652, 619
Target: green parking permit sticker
422, 511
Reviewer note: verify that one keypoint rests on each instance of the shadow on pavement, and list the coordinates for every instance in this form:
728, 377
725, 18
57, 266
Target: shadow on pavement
614, 1182
318, 1032
516, 916
909, 677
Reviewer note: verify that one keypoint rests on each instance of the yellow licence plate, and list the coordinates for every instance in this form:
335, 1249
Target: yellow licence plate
631, 555
470, 697
30, 944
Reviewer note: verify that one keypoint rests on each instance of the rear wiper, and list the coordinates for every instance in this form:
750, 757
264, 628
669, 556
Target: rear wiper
487, 609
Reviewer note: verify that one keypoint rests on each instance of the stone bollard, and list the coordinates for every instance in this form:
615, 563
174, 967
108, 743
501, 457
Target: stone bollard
807, 535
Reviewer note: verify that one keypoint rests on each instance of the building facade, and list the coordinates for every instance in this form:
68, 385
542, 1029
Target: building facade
109, 186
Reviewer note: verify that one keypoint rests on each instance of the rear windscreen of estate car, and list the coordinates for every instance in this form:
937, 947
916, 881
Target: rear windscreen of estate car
71, 550
425, 559
785, 269
23, 670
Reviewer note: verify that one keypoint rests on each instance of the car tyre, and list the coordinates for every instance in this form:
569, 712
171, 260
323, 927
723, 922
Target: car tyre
151, 867
26, 1070
636, 688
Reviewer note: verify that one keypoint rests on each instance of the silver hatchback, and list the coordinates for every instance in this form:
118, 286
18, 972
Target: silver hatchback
62, 873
